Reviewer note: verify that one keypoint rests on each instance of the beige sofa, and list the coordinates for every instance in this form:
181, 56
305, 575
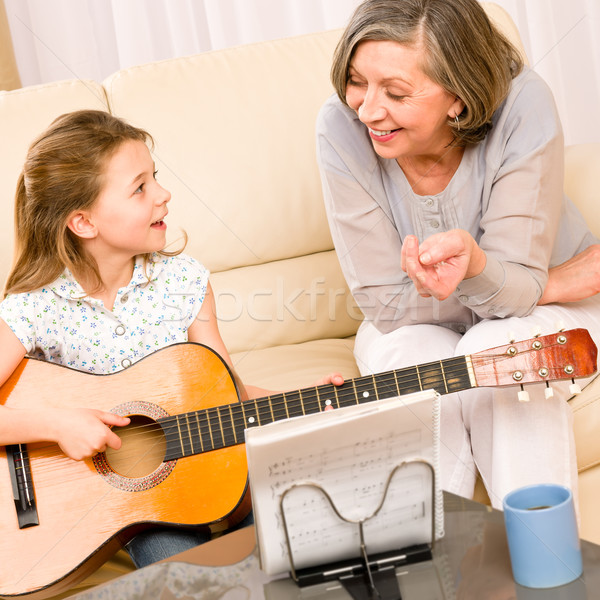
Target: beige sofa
234, 132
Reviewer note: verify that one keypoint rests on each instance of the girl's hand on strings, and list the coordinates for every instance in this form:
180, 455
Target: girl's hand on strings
83, 432
333, 378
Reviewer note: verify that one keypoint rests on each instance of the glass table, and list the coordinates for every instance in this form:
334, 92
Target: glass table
470, 562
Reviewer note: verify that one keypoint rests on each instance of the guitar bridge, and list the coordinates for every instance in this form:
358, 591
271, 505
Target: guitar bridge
22, 485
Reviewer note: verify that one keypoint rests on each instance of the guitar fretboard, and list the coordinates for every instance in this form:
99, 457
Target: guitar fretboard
222, 426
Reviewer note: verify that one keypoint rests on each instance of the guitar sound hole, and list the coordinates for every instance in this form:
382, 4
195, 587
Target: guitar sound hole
143, 448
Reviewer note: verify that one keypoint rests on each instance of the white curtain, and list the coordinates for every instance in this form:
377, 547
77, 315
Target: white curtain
562, 40
64, 39
61, 39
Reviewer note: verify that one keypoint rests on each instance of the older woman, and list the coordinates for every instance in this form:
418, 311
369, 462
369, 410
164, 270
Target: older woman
441, 158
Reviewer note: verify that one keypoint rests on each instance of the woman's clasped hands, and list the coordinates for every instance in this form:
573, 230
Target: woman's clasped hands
441, 262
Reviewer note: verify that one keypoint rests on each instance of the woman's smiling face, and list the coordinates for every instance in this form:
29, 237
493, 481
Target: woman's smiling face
406, 112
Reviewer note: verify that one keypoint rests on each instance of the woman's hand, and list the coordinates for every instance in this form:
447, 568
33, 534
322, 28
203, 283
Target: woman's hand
575, 279
441, 262
82, 432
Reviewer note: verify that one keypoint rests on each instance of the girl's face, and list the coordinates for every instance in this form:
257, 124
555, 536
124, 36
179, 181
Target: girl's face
406, 112
128, 215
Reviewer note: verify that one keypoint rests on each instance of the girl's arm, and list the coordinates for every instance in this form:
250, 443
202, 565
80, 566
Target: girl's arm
11, 350
205, 330
79, 432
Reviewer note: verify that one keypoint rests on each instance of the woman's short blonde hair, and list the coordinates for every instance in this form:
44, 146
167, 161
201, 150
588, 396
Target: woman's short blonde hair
463, 53
63, 173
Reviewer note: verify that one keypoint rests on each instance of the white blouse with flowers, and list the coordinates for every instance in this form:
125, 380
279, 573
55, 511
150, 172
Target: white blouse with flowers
59, 324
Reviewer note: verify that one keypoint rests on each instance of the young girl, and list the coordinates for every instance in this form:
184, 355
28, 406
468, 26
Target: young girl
90, 267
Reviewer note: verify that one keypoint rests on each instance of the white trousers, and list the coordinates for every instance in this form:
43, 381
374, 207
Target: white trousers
510, 443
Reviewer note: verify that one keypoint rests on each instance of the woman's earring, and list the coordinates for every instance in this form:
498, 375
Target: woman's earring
457, 122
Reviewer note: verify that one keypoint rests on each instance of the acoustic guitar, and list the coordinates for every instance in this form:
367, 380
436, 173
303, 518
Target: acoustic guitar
182, 461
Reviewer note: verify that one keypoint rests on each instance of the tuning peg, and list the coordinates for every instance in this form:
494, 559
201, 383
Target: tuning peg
511, 337
537, 331
560, 325
548, 392
574, 388
523, 396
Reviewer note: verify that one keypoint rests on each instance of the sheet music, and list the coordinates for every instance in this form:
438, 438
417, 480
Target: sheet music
350, 453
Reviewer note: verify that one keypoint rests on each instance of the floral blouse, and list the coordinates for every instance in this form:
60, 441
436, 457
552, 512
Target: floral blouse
59, 324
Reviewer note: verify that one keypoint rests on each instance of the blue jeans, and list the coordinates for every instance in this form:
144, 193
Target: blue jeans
162, 542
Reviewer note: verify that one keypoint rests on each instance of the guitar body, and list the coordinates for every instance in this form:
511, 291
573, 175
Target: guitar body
88, 509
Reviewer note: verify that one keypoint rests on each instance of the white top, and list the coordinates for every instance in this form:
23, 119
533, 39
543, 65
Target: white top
507, 192
57, 323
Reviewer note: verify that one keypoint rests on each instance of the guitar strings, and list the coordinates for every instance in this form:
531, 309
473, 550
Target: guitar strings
308, 398
345, 393
314, 397
278, 403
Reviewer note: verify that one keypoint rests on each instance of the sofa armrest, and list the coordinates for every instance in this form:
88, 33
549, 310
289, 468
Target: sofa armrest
586, 424
582, 165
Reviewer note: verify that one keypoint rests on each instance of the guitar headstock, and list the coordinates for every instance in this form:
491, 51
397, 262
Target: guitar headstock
565, 355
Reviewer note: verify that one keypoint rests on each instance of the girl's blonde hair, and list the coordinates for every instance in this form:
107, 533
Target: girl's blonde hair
63, 173
463, 53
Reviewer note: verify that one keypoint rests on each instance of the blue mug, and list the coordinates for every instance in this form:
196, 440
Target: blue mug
543, 541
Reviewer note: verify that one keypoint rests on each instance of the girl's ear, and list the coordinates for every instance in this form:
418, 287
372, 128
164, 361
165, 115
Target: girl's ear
81, 225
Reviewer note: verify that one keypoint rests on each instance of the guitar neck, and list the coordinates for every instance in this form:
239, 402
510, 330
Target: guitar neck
221, 426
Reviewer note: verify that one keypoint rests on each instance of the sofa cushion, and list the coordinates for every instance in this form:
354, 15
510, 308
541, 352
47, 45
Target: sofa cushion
296, 366
582, 165
586, 424
284, 302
